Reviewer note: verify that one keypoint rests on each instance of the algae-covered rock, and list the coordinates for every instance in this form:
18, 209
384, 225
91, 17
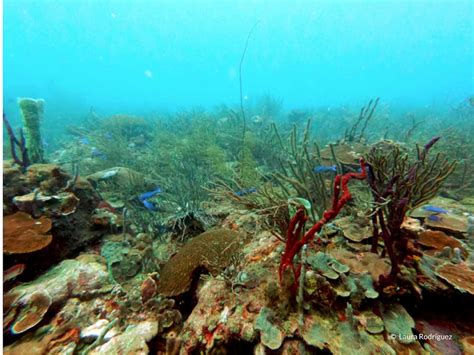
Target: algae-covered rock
367, 284
319, 334
327, 332
123, 262
372, 323
459, 276
28, 303
347, 154
399, 323
270, 335
437, 240
62, 204
120, 177
449, 223
355, 230
32, 312
360, 263
468, 344
322, 262
347, 286
132, 341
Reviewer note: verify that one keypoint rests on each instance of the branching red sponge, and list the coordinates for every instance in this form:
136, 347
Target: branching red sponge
293, 241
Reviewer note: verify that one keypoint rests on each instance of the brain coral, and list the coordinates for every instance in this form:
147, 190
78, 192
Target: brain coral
212, 250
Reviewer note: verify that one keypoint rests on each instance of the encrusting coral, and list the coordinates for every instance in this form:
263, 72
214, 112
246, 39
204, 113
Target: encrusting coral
23, 234
27, 304
460, 276
33, 312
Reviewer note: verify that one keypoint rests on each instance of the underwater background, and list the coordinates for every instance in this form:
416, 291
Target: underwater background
238, 177
153, 56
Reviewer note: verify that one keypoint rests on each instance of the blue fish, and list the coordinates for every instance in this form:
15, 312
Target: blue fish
325, 169
248, 191
108, 135
434, 218
434, 209
84, 140
96, 153
145, 196
150, 206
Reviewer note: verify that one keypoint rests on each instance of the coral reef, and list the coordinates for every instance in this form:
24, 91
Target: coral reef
170, 240
28, 303
213, 250
460, 276
296, 171
294, 242
22, 161
46, 205
22, 234
399, 185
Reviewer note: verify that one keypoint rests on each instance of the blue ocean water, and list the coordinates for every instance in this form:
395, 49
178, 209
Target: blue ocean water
143, 56
227, 176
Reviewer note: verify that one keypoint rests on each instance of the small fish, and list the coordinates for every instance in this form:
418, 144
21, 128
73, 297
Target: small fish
84, 140
108, 135
150, 206
325, 169
248, 191
434, 218
96, 153
149, 194
13, 272
435, 209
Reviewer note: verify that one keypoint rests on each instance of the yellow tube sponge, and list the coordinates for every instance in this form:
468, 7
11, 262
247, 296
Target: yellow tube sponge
31, 113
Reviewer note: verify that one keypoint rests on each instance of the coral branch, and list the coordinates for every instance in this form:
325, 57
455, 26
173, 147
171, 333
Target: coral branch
23, 162
399, 184
294, 243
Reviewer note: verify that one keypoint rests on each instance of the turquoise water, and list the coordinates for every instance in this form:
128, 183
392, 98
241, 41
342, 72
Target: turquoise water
224, 177
148, 56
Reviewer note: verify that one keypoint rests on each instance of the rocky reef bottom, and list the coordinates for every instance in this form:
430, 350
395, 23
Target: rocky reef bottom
219, 292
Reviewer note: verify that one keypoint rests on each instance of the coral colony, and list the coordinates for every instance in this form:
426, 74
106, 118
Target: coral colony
202, 233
